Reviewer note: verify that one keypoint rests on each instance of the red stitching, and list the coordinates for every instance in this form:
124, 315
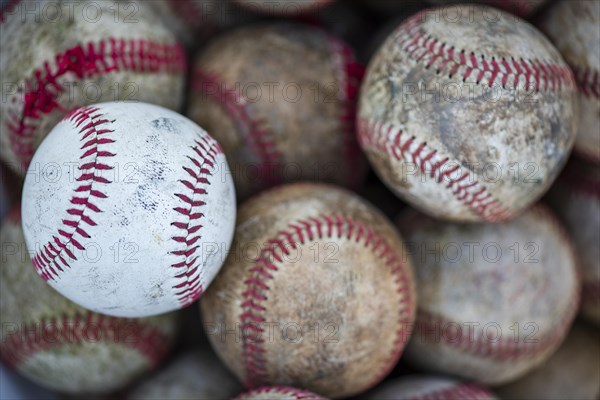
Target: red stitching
8, 9
303, 231
459, 391
349, 76
283, 390
446, 59
463, 183
84, 61
505, 349
95, 137
203, 158
588, 81
89, 327
253, 130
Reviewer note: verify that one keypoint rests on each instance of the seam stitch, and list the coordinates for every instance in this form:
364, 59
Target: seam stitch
588, 81
253, 130
95, 136
464, 391
8, 8
390, 139
299, 233
90, 327
87, 60
507, 349
285, 390
349, 75
195, 185
519, 73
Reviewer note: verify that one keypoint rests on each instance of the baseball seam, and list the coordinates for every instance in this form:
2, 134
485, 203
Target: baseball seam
43, 89
349, 74
299, 233
35, 337
8, 8
189, 287
95, 135
507, 349
464, 391
283, 390
588, 81
464, 185
432, 52
253, 130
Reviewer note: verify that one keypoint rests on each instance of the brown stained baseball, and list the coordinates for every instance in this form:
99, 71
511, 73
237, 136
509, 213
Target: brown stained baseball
574, 28
421, 387
571, 373
196, 374
279, 393
495, 301
522, 8
280, 98
467, 113
62, 346
317, 293
576, 199
282, 7
58, 56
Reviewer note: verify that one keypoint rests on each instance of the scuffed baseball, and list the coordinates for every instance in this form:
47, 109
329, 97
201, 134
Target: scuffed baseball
280, 98
451, 130
56, 56
197, 374
418, 387
317, 293
576, 199
282, 7
574, 28
571, 373
278, 393
495, 301
62, 346
130, 210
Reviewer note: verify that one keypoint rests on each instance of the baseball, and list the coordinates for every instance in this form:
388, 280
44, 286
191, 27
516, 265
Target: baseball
420, 387
62, 346
317, 292
574, 27
576, 198
282, 7
571, 373
468, 114
56, 56
280, 98
278, 393
197, 374
139, 220
495, 301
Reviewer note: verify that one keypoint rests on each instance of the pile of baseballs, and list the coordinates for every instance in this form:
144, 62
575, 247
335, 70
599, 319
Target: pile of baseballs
184, 199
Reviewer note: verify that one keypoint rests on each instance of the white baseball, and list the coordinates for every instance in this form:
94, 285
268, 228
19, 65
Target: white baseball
128, 209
